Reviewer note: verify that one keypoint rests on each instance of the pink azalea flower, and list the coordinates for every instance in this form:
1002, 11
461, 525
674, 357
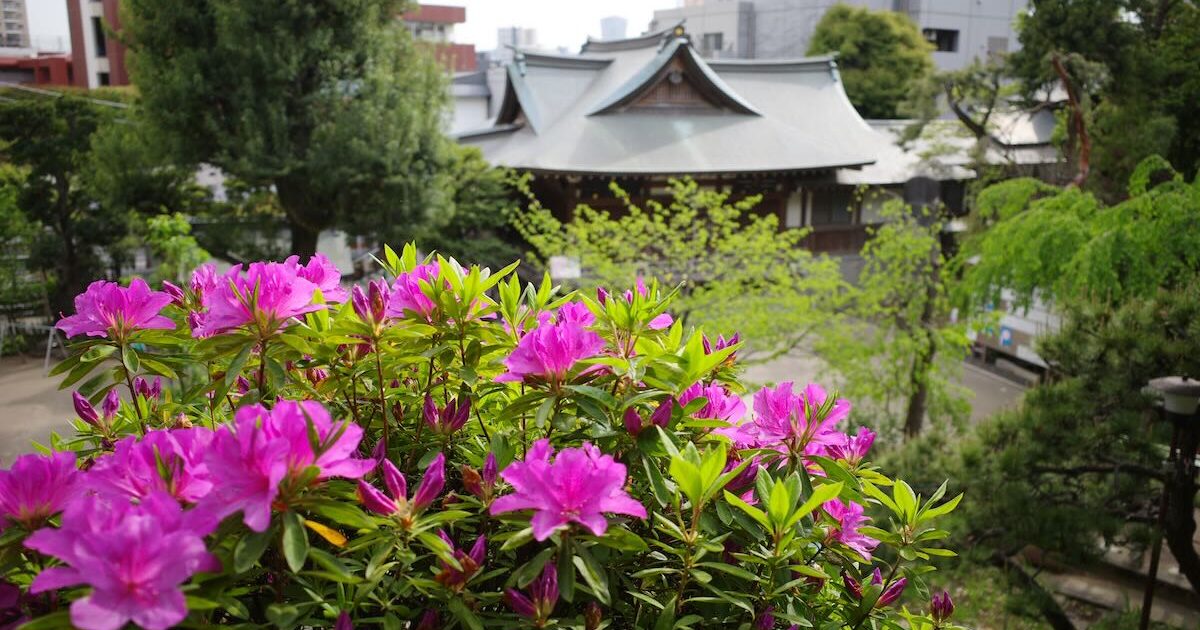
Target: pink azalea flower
398, 504
852, 449
135, 557
266, 294
37, 487
848, 517
107, 309
163, 461
408, 297
322, 272
578, 487
721, 404
575, 313
793, 421
264, 449
548, 352
205, 279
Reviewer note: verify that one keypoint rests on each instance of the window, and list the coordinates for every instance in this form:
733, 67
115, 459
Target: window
997, 45
794, 216
101, 41
943, 39
103, 78
832, 207
712, 43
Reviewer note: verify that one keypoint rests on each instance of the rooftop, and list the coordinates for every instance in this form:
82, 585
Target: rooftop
650, 105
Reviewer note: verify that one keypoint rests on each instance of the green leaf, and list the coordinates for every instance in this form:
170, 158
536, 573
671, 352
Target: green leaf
687, 477
566, 576
96, 353
129, 357
53, 621
905, 499
464, 614
249, 549
820, 495
283, 616
595, 393
593, 574
295, 541
750, 510
945, 508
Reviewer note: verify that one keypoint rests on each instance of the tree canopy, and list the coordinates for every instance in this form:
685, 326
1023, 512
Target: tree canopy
1139, 61
329, 102
881, 54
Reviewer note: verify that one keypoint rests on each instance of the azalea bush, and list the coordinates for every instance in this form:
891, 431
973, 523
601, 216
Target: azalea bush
446, 448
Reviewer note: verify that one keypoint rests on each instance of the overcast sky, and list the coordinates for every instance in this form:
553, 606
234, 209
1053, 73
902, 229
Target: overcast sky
558, 22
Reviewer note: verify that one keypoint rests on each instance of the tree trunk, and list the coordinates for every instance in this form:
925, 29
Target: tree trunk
1180, 526
307, 215
918, 402
304, 241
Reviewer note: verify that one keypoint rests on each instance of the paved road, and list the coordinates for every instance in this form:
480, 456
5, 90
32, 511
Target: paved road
992, 392
31, 406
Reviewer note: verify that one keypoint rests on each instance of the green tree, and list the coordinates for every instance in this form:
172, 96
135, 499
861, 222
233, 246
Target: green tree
329, 102
477, 224
738, 273
51, 139
896, 353
1138, 77
1084, 450
881, 55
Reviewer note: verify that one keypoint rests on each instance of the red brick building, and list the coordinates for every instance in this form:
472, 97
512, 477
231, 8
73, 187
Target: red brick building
434, 24
97, 60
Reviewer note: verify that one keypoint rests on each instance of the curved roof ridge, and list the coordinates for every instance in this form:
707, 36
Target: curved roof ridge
538, 58
646, 40
650, 74
816, 62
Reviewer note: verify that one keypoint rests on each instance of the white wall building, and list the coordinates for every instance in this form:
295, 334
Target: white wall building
613, 27
961, 30
14, 24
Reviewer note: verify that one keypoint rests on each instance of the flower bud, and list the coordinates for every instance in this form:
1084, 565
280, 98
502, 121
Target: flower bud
941, 607
377, 294
472, 481
111, 404
765, 621
431, 484
633, 422
374, 500
84, 409
891, 593
602, 295
343, 622
429, 621
361, 304
662, 415
490, 471
592, 616
852, 586
176, 293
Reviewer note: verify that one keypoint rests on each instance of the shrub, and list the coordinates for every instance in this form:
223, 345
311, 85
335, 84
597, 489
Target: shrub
449, 449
